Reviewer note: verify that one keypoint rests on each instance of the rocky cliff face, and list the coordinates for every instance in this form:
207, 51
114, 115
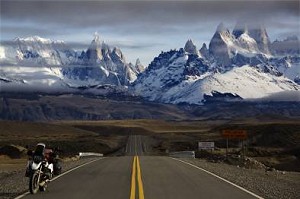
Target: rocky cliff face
61, 66
260, 35
221, 44
241, 62
237, 63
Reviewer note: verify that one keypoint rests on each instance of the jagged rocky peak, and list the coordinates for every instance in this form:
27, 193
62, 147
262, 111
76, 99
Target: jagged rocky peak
239, 29
223, 33
259, 33
139, 66
94, 52
204, 47
190, 47
105, 48
220, 43
204, 51
247, 43
244, 40
96, 42
118, 53
222, 29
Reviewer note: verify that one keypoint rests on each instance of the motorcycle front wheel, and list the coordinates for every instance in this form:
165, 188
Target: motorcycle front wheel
34, 183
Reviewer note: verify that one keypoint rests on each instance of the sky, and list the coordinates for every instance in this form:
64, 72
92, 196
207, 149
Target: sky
142, 29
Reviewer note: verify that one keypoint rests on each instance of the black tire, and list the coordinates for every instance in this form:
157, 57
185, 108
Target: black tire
33, 183
42, 188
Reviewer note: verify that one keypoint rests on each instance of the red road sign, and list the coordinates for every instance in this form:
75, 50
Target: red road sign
234, 134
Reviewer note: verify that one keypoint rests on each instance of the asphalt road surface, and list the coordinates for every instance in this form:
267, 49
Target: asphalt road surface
135, 146
137, 176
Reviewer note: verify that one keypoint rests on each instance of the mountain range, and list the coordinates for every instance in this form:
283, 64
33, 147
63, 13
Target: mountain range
36, 64
242, 63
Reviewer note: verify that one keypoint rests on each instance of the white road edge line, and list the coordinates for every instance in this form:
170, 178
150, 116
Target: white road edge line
61, 175
237, 186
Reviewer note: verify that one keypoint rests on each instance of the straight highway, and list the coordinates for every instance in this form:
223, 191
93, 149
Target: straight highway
137, 176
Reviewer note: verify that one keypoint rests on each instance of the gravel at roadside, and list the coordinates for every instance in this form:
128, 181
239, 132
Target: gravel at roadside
14, 183
271, 184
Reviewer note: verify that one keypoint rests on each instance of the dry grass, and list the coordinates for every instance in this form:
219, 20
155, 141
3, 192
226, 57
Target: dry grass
155, 126
8, 164
275, 139
11, 130
69, 139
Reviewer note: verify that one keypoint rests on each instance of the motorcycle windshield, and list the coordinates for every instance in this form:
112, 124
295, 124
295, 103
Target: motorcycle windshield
39, 150
38, 158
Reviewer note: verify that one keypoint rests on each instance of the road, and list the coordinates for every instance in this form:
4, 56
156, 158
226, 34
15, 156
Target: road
135, 146
137, 176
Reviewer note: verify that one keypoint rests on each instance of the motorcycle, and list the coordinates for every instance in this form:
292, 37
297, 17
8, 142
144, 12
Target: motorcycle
39, 170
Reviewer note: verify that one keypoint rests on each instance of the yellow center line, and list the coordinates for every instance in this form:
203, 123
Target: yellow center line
139, 178
136, 175
133, 177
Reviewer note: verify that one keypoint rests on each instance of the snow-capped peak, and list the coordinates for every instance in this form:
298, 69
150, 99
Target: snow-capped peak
221, 27
37, 39
96, 37
96, 43
139, 66
204, 51
190, 47
247, 43
99, 45
239, 29
221, 45
39, 51
260, 35
118, 52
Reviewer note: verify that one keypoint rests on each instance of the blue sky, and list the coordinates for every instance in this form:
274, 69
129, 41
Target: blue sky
142, 29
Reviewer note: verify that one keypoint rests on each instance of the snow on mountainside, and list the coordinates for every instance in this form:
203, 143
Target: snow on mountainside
37, 51
239, 63
289, 66
245, 81
260, 35
171, 84
39, 62
225, 46
242, 63
103, 64
42, 79
288, 46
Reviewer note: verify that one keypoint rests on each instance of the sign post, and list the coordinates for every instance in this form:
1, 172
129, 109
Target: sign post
206, 145
226, 147
234, 134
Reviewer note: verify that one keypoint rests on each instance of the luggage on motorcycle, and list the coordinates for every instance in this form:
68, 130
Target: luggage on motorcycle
28, 172
57, 168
